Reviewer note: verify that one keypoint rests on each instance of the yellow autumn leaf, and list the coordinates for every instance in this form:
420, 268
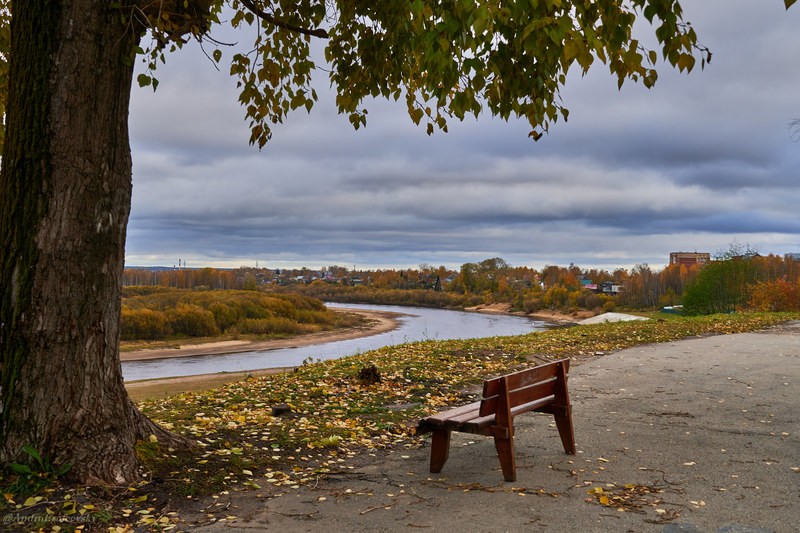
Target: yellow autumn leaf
33, 500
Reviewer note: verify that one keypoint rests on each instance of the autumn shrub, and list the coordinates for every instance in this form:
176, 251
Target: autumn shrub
192, 320
776, 295
251, 309
556, 297
587, 299
304, 302
226, 316
531, 304
372, 295
144, 324
308, 316
159, 300
158, 312
143, 290
274, 326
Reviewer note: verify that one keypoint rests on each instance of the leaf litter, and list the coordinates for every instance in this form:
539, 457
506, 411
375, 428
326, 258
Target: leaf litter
330, 416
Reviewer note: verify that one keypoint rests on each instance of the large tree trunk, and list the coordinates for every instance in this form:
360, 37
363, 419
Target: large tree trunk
65, 194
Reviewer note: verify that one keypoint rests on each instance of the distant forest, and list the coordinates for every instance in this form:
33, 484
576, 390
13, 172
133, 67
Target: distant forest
735, 280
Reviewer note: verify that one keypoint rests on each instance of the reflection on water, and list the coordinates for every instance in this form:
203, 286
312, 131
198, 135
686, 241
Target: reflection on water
416, 324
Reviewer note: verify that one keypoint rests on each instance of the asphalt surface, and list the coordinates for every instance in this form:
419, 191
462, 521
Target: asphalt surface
699, 435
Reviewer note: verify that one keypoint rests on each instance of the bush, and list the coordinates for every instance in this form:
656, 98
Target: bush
777, 295
588, 300
161, 312
143, 324
556, 297
274, 326
610, 305
192, 321
226, 316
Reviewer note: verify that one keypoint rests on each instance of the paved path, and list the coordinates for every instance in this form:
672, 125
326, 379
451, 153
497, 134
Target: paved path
705, 434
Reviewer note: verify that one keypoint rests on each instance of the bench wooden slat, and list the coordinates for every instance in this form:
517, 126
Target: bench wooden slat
483, 422
520, 396
470, 410
523, 378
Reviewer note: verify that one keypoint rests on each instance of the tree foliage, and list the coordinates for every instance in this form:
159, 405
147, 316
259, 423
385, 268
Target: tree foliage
722, 285
527, 289
775, 295
443, 58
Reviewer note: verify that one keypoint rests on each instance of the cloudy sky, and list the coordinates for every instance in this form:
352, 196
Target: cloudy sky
695, 164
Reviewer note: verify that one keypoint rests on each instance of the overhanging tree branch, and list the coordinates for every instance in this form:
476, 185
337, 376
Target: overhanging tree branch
263, 15
794, 128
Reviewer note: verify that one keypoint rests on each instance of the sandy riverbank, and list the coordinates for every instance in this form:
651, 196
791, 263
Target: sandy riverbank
377, 322
545, 315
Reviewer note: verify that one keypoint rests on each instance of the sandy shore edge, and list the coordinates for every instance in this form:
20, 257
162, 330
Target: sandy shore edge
378, 322
544, 315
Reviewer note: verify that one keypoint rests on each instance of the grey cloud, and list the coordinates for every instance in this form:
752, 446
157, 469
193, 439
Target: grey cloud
696, 162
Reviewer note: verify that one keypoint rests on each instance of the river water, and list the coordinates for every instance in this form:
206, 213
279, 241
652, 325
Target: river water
416, 324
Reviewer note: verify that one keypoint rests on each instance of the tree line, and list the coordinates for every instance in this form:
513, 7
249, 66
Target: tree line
735, 279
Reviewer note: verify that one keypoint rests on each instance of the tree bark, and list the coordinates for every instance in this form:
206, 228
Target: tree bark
65, 195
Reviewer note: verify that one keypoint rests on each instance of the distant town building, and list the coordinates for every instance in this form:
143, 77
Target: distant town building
689, 258
610, 288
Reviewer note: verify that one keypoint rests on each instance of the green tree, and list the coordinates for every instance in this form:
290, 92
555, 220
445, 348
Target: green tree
722, 285
65, 184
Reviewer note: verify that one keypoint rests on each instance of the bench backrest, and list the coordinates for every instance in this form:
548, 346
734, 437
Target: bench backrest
542, 384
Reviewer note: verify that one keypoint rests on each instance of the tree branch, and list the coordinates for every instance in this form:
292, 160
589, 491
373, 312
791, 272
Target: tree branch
794, 128
260, 13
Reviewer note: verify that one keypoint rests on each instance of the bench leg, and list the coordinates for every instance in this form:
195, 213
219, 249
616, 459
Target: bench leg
565, 431
505, 451
440, 449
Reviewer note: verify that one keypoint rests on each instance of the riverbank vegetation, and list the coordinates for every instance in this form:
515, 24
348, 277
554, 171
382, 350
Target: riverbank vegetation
333, 417
159, 313
737, 279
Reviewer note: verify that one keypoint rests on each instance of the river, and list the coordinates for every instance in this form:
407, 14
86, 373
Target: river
416, 324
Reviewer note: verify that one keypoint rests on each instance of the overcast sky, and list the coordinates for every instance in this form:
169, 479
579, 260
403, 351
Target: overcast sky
695, 164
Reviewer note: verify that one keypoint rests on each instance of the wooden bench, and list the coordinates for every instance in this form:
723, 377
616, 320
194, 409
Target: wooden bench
542, 388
